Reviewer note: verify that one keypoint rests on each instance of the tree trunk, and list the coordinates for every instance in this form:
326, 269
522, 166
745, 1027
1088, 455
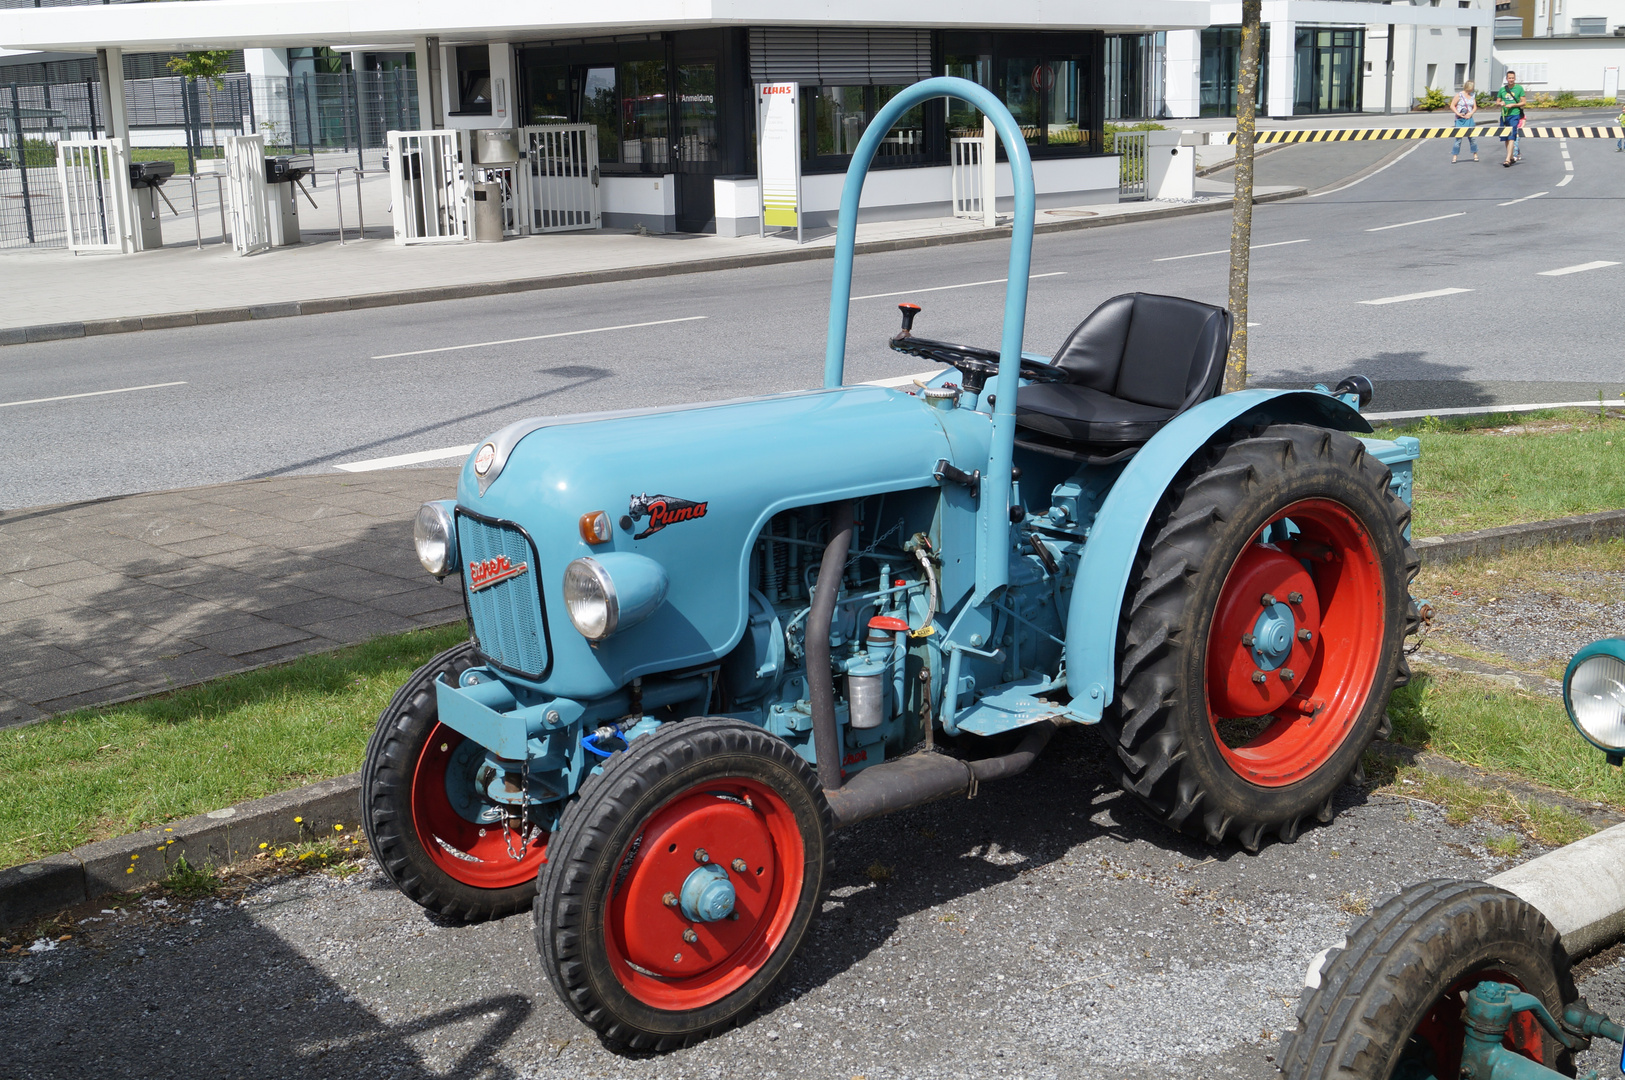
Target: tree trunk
1241, 228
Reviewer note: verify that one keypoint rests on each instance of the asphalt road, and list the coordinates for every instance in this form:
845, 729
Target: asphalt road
306, 394
1045, 930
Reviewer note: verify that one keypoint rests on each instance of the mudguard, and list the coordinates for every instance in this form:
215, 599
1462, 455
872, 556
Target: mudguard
1114, 540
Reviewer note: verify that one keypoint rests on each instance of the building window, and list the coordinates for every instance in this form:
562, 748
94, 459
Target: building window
1461, 75
621, 90
837, 116
473, 80
1508, 26
1221, 69
1590, 27
1045, 80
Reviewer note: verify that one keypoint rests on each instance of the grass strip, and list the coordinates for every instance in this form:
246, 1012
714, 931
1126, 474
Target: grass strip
103, 772
1501, 730
1483, 471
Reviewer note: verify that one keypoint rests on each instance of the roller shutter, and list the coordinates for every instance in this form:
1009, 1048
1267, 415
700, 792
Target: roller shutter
886, 57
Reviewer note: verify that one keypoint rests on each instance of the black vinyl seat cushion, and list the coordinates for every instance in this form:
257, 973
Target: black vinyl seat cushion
1135, 363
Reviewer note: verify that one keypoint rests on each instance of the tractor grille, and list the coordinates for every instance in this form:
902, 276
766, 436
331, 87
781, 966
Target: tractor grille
508, 622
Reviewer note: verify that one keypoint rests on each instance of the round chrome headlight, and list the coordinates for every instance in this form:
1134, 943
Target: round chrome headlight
435, 534
1594, 691
589, 594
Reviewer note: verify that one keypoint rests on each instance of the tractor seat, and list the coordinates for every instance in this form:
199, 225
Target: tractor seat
1135, 363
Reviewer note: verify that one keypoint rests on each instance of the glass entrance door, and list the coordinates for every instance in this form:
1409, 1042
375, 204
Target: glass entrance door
696, 154
1328, 70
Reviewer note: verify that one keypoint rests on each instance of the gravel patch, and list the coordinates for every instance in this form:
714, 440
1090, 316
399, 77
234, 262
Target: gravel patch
1533, 627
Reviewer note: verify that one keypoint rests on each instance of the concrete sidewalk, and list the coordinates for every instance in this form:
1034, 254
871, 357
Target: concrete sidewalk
52, 294
124, 597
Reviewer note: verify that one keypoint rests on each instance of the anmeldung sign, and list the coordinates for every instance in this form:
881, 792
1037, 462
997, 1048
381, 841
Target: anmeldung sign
778, 155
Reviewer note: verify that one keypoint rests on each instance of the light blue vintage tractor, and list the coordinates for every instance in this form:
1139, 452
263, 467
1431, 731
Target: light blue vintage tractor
705, 636
1462, 979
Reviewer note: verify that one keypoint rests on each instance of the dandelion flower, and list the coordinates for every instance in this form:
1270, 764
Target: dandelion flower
297, 820
135, 857
129, 869
264, 846
338, 828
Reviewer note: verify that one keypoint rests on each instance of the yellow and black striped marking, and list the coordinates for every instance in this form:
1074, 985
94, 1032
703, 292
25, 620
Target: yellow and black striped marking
1487, 131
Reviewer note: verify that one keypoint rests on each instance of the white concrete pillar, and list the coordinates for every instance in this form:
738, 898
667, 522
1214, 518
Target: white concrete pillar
1283, 67
110, 69
1182, 73
431, 113
266, 63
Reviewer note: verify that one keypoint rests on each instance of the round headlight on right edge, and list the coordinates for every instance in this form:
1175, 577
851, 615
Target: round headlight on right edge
1594, 694
435, 534
589, 595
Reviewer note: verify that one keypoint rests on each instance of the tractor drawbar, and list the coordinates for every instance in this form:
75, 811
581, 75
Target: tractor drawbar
925, 777
820, 677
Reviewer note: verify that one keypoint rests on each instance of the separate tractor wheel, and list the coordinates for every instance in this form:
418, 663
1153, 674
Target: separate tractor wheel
1262, 633
1391, 1003
682, 881
440, 840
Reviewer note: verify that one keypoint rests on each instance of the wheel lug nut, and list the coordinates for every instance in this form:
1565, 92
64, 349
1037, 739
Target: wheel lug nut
1246, 641
1287, 675
1259, 676
739, 866
1295, 597
1268, 600
690, 936
734, 915
1304, 635
700, 856
670, 900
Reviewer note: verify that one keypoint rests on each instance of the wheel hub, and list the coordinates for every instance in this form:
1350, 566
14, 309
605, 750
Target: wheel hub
1259, 653
1273, 634
707, 895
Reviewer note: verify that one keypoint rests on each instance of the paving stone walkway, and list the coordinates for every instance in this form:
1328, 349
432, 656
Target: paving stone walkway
115, 598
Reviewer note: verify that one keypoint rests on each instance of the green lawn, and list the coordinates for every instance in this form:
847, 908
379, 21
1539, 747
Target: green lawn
1503, 470
109, 771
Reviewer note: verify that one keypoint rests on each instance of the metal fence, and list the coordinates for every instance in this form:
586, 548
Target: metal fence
344, 117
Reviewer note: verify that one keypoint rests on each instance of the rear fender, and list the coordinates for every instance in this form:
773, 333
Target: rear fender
1114, 539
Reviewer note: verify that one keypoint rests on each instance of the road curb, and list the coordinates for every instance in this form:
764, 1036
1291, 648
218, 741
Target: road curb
213, 839
1487, 543
25, 335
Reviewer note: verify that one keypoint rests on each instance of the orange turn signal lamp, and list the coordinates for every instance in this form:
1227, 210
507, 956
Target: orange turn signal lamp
595, 527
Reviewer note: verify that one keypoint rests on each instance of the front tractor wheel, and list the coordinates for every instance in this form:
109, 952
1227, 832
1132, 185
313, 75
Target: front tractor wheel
433, 831
1264, 634
682, 881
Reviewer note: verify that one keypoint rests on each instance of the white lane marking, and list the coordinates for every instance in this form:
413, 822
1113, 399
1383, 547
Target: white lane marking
1565, 181
1568, 165
1415, 296
1598, 265
373, 464
1369, 175
1419, 221
944, 288
1526, 198
1565, 155
541, 337
1226, 251
1485, 410
93, 393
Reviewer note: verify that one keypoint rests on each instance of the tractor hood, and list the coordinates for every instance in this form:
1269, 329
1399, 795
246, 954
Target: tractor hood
689, 488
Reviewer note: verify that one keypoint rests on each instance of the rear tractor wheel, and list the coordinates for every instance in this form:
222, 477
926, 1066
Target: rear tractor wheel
682, 881
440, 839
1263, 633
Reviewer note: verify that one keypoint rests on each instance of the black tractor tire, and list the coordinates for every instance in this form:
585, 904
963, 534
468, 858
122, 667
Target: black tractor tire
1395, 991
599, 851
1166, 749
404, 729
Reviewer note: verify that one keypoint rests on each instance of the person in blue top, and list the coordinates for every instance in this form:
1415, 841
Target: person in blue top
1511, 98
1464, 105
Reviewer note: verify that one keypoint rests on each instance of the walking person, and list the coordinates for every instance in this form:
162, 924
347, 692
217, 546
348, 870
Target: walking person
1464, 105
1619, 144
1512, 104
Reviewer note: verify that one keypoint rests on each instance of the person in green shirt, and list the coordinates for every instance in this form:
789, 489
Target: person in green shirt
1511, 98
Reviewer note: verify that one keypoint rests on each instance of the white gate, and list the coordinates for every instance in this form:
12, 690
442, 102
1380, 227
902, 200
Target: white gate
972, 160
1130, 148
428, 191
559, 177
96, 202
248, 193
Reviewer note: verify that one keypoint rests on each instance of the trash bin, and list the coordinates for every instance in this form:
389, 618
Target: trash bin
487, 213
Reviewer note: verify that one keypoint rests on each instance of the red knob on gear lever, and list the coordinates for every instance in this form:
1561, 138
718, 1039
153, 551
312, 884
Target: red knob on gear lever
909, 311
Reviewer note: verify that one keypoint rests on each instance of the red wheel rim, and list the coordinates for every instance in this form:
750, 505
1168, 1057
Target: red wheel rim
732, 819
1444, 1027
1279, 711
467, 851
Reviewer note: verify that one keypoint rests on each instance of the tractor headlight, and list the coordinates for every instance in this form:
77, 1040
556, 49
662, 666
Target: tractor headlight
1594, 694
612, 591
435, 534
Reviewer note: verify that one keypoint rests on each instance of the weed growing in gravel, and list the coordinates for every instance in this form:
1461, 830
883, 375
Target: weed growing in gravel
105, 772
879, 872
338, 855
1464, 802
188, 882
1354, 904
1504, 846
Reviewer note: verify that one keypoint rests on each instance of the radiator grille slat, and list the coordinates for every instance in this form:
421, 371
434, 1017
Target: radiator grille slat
508, 615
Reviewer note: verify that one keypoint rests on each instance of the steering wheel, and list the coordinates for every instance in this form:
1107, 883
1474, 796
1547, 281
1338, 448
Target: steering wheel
977, 364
